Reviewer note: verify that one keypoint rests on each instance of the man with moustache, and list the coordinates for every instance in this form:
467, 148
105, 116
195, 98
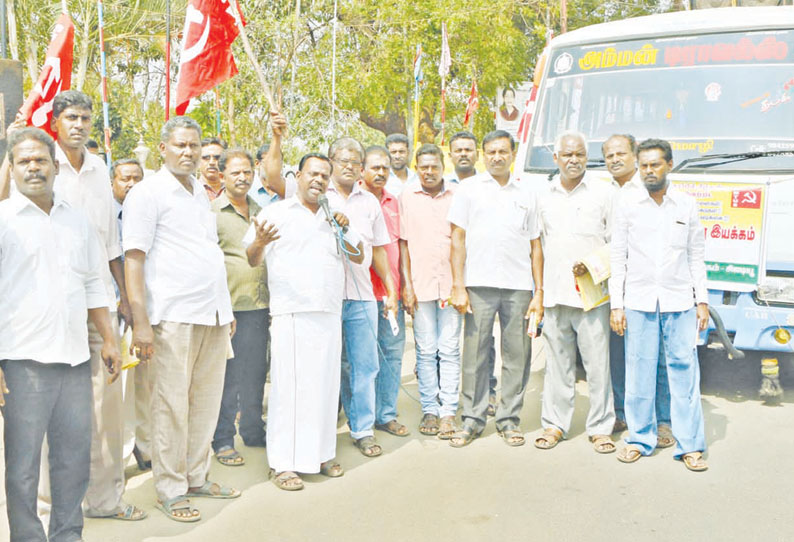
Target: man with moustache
51, 266
209, 173
306, 276
83, 181
424, 258
620, 158
182, 317
497, 262
400, 153
390, 345
575, 221
660, 301
360, 309
244, 382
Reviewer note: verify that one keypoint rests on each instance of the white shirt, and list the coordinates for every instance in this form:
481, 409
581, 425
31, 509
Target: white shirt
305, 272
394, 185
90, 191
574, 225
657, 253
50, 275
366, 218
499, 221
185, 272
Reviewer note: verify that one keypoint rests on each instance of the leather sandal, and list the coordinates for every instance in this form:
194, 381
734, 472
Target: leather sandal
464, 437
629, 454
664, 437
694, 461
549, 439
512, 435
602, 444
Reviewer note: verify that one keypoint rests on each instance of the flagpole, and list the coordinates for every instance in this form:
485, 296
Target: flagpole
167, 59
417, 77
104, 76
248, 51
333, 70
443, 71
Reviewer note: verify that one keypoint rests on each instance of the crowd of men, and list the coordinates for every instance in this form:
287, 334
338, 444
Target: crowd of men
224, 269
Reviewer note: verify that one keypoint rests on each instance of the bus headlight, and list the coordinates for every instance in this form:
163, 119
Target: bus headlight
777, 290
782, 335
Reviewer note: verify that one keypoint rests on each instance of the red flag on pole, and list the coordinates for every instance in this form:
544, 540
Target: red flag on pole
55, 76
474, 103
206, 59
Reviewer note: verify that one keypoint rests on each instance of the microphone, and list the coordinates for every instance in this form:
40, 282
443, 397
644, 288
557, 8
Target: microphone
322, 199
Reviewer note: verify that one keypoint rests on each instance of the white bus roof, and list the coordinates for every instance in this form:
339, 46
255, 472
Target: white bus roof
702, 21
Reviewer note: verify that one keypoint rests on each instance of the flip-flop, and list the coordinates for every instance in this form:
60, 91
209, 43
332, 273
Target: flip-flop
368, 447
602, 444
128, 512
549, 439
206, 490
694, 461
629, 454
229, 457
393, 427
180, 502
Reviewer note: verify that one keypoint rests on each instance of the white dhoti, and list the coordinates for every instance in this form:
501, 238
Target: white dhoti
306, 350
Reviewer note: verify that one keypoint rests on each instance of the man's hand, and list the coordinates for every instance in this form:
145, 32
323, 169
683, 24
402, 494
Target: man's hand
125, 313
460, 299
341, 219
409, 299
617, 321
3, 388
579, 269
703, 316
390, 304
142, 345
112, 358
233, 328
536, 306
18, 124
278, 123
265, 232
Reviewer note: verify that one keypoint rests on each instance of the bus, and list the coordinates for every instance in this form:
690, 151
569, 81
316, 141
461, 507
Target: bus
718, 84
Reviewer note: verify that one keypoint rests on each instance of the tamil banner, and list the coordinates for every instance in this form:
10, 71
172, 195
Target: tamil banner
732, 215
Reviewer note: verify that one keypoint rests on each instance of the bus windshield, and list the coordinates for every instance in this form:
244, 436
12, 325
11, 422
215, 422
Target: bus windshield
708, 94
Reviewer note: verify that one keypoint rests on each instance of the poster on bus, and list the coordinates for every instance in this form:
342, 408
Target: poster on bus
732, 215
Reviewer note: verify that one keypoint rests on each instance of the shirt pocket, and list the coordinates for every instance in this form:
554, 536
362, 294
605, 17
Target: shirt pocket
589, 222
679, 233
519, 218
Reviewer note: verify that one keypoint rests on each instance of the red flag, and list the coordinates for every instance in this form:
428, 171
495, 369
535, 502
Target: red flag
55, 76
474, 103
206, 59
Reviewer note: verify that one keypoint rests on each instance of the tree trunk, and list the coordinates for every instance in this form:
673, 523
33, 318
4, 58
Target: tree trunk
389, 123
13, 40
82, 62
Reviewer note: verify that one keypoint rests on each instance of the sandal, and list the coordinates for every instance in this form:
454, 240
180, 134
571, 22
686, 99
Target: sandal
447, 429
602, 444
287, 480
491, 410
429, 425
629, 454
664, 437
464, 437
512, 435
127, 512
171, 506
368, 447
213, 490
549, 439
229, 457
331, 469
394, 427
694, 461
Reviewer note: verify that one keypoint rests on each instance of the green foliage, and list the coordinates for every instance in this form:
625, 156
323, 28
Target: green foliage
496, 41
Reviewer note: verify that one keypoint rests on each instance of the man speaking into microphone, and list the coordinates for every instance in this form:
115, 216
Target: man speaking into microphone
306, 278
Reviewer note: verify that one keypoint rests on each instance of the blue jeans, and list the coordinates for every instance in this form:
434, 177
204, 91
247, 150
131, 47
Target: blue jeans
359, 365
678, 334
52, 400
390, 359
617, 369
244, 382
437, 337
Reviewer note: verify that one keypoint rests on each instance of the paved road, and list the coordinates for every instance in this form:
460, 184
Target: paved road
423, 490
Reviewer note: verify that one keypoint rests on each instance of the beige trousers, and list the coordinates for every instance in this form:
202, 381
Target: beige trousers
187, 372
137, 422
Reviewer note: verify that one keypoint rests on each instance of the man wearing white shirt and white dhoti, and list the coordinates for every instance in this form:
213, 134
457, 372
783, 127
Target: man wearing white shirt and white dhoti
182, 317
306, 279
659, 295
